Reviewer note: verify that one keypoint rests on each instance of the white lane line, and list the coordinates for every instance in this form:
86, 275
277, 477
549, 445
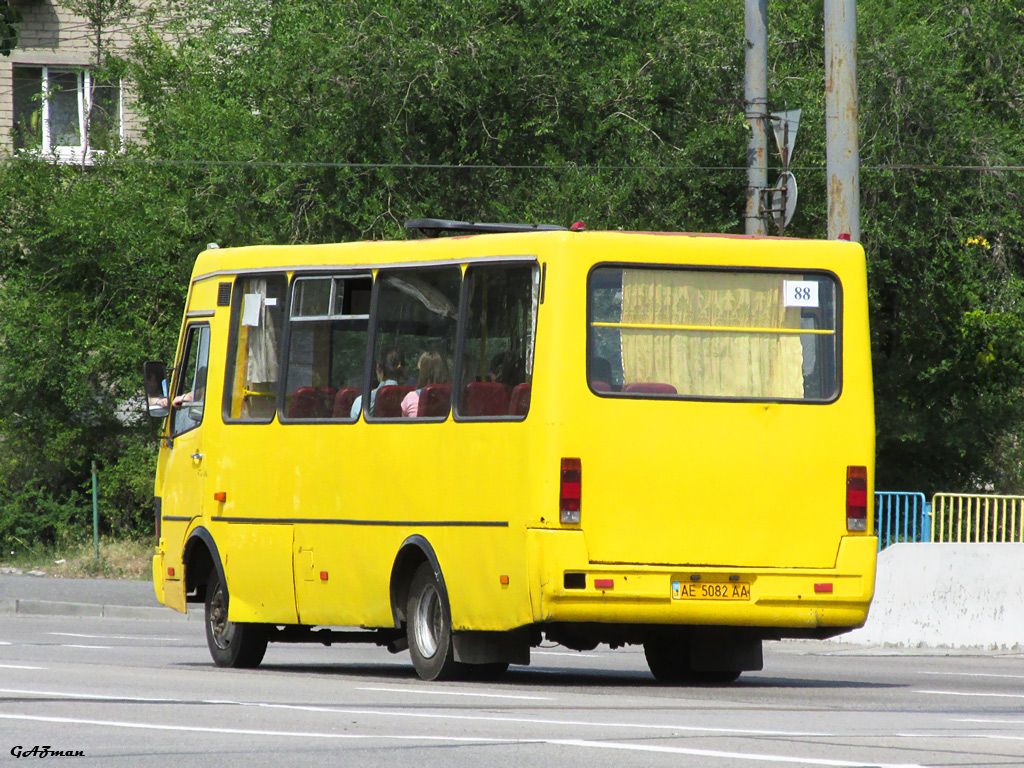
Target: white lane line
18, 666
94, 647
974, 674
985, 721
253, 731
730, 755
753, 756
965, 693
428, 715
528, 720
62, 695
431, 692
4, 642
112, 637
947, 735
572, 654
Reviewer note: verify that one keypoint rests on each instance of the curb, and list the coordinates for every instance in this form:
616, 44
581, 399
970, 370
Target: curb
17, 607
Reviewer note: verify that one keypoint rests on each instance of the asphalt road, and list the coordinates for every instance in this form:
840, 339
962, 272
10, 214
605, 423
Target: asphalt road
142, 691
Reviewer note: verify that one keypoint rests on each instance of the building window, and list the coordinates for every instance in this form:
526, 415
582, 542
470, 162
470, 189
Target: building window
51, 106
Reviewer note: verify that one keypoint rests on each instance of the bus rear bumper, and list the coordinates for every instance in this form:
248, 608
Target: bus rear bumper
792, 600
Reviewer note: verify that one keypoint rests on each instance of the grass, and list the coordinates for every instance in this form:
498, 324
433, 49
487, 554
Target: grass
119, 559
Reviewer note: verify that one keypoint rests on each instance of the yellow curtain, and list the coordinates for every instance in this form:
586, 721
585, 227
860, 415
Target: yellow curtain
713, 363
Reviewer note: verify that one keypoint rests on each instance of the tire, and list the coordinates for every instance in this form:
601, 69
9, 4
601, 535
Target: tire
668, 660
716, 677
428, 626
232, 644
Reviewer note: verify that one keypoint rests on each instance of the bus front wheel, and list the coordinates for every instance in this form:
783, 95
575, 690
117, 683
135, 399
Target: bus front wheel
429, 627
232, 644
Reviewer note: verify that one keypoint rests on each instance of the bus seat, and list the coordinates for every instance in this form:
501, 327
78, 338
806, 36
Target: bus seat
343, 402
650, 388
388, 403
305, 404
600, 386
485, 398
519, 403
435, 400
325, 398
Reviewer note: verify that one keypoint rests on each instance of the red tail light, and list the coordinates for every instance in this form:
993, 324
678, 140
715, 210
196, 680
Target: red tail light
570, 495
856, 498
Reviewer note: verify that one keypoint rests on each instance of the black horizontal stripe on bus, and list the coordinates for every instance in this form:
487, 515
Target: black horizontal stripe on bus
176, 518
395, 523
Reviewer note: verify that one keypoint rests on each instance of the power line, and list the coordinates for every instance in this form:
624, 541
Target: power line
900, 167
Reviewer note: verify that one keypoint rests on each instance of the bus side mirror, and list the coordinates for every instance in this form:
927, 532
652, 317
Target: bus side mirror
154, 382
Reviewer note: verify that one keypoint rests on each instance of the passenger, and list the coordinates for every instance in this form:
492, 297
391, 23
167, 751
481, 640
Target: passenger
389, 371
432, 370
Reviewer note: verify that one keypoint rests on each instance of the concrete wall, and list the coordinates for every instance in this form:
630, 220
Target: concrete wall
956, 595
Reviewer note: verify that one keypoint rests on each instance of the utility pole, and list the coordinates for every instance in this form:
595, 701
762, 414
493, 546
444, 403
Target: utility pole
755, 107
842, 155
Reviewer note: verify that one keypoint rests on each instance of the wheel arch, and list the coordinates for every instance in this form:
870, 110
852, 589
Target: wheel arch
414, 551
199, 556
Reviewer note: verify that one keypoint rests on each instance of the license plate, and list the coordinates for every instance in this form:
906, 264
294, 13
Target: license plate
710, 590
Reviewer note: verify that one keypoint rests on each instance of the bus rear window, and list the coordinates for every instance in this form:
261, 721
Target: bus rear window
713, 334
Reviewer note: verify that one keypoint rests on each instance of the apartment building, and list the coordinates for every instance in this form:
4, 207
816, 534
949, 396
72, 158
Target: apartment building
53, 100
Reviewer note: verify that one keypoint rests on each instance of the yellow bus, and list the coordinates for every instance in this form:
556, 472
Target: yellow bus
468, 445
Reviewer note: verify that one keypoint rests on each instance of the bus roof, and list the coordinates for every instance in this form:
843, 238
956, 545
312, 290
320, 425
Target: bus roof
595, 245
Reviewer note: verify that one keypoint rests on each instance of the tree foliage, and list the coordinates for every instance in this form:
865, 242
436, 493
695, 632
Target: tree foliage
317, 122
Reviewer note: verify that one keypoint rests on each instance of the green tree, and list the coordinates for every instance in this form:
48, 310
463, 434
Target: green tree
10, 18
315, 122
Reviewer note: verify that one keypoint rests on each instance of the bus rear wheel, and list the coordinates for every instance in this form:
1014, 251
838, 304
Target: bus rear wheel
232, 644
669, 662
428, 626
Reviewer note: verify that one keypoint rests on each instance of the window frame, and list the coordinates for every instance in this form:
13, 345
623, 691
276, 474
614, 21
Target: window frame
290, 318
234, 325
71, 153
193, 330
623, 265
462, 330
378, 279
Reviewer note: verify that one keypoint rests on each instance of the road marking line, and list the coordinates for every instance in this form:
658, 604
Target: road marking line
112, 637
974, 674
964, 693
573, 654
982, 720
947, 735
428, 715
464, 740
730, 755
528, 720
94, 647
60, 694
18, 666
431, 692
253, 731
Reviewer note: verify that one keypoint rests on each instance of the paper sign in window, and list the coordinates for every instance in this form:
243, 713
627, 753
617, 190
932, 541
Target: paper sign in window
800, 293
251, 305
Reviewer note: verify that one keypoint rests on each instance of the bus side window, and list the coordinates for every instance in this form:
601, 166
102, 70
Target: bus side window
496, 369
250, 390
414, 343
327, 328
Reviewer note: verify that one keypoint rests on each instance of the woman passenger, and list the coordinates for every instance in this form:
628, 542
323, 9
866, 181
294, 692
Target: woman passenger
432, 370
